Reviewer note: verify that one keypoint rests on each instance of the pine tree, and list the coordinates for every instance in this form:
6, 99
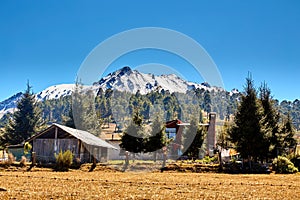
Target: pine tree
207, 106
222, 140
201, 117
246, 132
132, 139
25, 122
83, 111
270, 121
69, 120
146, 110
193, 139
288, 132
157, 138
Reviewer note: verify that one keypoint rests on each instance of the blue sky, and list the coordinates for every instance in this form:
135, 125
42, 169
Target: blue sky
45, 42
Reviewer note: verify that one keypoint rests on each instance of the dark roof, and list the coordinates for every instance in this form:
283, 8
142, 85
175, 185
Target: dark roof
83, 136
173, 123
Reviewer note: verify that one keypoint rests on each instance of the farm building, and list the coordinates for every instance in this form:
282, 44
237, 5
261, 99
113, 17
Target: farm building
174, 131
112, 135
84, 145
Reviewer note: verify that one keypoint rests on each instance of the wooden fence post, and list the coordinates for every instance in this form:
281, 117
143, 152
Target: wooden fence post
33, 159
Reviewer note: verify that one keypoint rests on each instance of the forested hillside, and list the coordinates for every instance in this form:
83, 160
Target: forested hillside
119, 105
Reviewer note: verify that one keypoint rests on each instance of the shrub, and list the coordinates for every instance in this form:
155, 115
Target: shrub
283, 165
27, 148
64, 160
209, 160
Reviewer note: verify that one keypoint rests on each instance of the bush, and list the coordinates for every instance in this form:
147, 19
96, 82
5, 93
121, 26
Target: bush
209, 160
64, 160
283, 165
27, 148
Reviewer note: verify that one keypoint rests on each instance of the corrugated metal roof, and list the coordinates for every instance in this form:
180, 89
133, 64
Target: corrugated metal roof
86, 137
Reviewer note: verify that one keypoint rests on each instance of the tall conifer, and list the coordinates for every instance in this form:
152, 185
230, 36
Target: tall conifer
25, 122
246, 132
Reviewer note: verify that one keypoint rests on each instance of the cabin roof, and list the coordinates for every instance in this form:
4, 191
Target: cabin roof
173, 123
82, 135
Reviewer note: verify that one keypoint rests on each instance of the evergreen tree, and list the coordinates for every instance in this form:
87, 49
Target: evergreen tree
69, 120
222, 140
246, 132
207, 106
157, 138
132, 139
288, 133
146, 110
201, 117
83, 111
193, 139
25, 122
270, 121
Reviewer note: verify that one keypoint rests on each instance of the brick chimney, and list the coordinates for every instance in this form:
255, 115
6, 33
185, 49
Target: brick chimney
211, 134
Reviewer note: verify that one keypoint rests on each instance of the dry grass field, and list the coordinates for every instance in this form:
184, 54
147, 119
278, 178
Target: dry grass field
109, 184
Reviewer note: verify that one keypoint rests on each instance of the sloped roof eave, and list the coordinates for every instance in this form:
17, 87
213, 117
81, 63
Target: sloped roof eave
86, 137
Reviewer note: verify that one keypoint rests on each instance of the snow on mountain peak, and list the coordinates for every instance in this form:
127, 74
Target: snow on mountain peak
10, 104
124, 79
129, 80
56, 91
234, 91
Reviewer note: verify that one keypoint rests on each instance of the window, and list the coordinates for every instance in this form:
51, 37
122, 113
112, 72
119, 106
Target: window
171, 133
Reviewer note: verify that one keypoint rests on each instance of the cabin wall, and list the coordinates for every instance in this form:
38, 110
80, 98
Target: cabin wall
115, 154
89, 152
46, 149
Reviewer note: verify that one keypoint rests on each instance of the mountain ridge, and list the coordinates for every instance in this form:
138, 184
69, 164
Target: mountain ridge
124, 79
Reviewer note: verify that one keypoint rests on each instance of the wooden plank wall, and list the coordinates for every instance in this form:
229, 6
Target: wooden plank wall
45, 151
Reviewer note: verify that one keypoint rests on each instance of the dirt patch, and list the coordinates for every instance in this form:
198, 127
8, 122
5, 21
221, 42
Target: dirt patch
79, 184
99, 167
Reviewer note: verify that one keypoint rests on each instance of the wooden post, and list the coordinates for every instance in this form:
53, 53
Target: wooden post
33, 159
79, 149
164, 156
126, 158
94, 160
55, 141
101, 159
220, 159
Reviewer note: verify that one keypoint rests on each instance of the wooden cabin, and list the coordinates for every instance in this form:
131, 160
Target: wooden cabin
84, 145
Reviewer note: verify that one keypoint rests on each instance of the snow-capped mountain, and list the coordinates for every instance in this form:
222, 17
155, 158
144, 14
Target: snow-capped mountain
10, 104
55, 92
129, 80
124, 79
234, 91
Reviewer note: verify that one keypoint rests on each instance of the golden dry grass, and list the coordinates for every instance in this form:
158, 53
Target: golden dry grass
141, 185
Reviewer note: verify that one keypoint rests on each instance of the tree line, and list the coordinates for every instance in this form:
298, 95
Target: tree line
259, 131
